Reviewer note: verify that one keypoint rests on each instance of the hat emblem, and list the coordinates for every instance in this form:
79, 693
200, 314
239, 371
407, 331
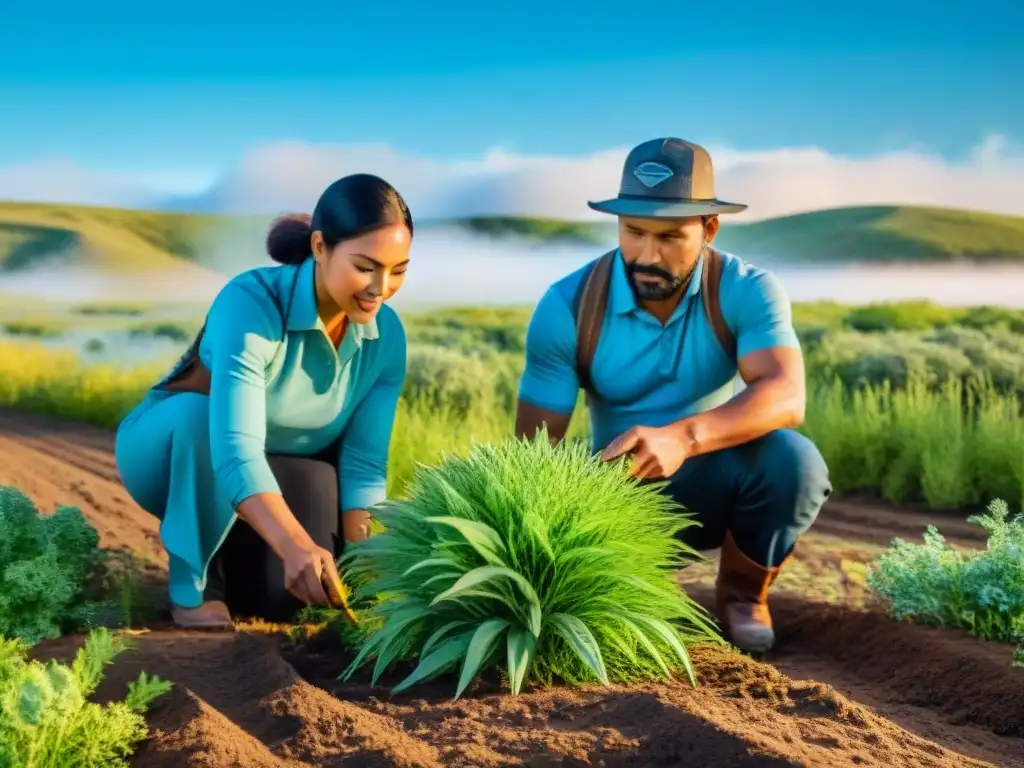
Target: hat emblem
652, 174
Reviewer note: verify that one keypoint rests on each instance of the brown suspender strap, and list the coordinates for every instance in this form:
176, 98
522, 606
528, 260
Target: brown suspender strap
711, 277
593, 300
590, 315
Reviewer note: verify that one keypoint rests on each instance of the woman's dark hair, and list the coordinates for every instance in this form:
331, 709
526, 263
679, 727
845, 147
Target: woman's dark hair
350, 207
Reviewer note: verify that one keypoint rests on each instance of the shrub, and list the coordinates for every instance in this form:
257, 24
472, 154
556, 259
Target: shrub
45, 719
860, 359
499, 329
123, 309
992, 317
42, 328
899, 316
179, 332
544, 556
982, 592
49, 568
445, 378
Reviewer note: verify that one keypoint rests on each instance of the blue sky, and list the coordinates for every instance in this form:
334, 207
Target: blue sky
185, 87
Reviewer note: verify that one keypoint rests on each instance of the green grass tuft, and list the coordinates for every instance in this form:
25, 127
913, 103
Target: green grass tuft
543, 561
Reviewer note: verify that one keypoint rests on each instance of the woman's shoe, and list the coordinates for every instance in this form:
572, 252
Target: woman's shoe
212, 614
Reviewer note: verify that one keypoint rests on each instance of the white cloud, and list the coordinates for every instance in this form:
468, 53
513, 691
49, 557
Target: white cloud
63, 180
290, 176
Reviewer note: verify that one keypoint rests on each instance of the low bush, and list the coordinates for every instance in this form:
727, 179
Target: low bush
970, 356
113, 308
43, 328
439, 378
500, 329
180, 332
46, 720
540, 560
52, 572
899, 316
981, 592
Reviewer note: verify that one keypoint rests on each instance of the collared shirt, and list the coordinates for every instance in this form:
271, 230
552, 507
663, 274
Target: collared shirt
647, 373
296, 394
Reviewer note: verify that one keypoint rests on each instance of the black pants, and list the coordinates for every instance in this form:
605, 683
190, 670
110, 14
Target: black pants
245, 572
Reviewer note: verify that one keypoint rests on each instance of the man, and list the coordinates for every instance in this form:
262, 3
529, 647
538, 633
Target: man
656, 332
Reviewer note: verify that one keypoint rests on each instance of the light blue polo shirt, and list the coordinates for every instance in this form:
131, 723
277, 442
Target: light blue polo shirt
297, 394
646, 373
278, 388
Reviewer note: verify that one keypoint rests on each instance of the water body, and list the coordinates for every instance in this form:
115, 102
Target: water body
451, 269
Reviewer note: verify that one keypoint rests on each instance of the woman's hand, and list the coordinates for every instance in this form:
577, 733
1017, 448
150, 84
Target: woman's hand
305, 564
305, 570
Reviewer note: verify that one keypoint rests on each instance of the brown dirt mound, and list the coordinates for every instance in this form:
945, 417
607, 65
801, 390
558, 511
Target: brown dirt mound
969, 680
238, 702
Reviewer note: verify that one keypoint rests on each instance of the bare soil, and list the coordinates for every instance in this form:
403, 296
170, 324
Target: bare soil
845, 685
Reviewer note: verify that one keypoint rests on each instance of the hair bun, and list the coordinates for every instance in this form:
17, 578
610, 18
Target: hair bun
288, 241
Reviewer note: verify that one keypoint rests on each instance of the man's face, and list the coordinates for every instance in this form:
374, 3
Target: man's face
660, 254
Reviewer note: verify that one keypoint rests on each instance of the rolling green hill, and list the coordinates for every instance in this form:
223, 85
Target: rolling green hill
120, 239
879, 234
107, 237
539, 230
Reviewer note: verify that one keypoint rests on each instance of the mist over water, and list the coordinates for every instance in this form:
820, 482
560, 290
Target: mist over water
453, 268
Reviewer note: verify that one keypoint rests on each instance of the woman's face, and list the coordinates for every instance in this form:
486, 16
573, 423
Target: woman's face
358, 275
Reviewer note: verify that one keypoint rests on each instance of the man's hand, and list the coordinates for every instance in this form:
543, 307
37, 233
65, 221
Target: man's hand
355, 525
657, 452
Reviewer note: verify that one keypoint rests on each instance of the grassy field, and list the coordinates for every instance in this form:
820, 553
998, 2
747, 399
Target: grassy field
120, 239
907, 410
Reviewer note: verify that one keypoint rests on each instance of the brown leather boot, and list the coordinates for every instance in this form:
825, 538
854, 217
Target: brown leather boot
741, 593
212, 614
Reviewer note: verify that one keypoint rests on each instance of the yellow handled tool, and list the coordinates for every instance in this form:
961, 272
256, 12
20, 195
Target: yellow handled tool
338, 594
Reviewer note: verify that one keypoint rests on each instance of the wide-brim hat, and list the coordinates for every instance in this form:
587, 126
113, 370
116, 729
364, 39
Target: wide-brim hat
667, 179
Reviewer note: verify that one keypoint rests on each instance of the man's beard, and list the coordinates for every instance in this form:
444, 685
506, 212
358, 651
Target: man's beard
665, 288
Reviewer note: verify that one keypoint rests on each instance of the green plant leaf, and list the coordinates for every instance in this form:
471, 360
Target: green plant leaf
433, 562
581, 640
389, 649
521, 645
442, 577
441, 634
476, 578
397, 620
648, 646
484, 539
668, 633
443, 657
485, 639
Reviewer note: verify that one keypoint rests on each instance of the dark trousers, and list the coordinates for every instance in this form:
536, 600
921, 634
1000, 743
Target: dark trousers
246, 573
766, 493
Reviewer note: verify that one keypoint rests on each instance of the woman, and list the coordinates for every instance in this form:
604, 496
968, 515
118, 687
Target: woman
280, 414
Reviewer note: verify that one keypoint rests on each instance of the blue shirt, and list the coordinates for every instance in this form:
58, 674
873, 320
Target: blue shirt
296, 394
647, 373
